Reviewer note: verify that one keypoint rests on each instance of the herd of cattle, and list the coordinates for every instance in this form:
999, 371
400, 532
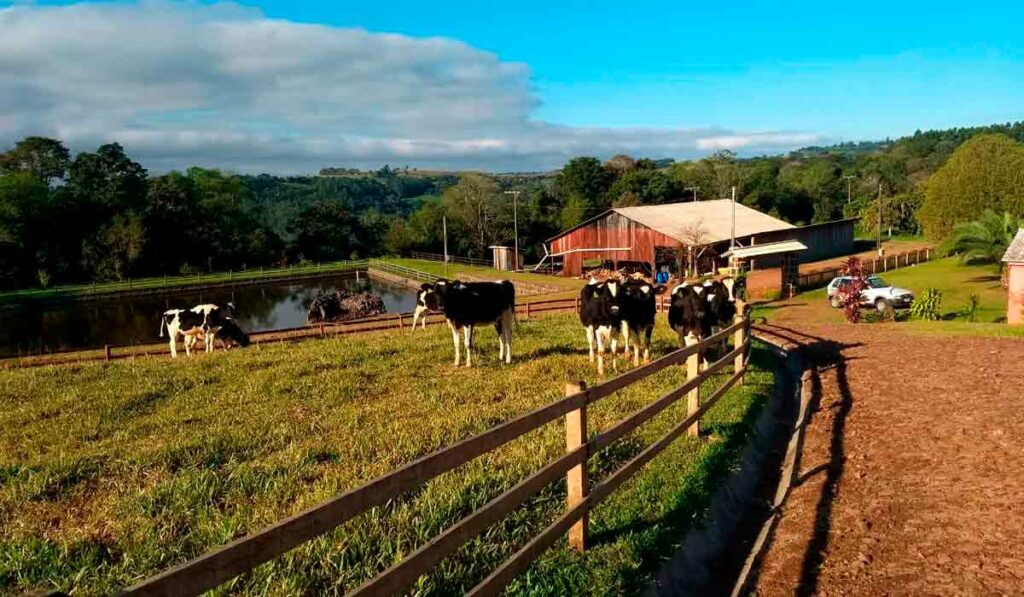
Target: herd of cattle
610, 311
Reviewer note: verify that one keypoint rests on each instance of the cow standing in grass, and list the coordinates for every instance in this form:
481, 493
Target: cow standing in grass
467, 304
599, 314
686, 313
201, 321
637, 310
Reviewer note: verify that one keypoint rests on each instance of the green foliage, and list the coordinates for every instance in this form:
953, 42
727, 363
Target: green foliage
984, 240
970, 310
926, 306
985, 173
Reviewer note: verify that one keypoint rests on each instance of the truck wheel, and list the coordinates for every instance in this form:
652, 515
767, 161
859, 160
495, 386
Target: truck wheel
834, 301
881, 304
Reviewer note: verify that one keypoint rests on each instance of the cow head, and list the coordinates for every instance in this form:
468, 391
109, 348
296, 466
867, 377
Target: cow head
230, 334
641, 290
604, 296
691, 308
431, 296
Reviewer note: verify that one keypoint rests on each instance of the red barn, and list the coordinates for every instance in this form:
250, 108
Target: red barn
648, 236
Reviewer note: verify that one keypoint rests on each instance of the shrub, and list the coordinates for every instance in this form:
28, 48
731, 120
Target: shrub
849, 295
970, 311
926, 306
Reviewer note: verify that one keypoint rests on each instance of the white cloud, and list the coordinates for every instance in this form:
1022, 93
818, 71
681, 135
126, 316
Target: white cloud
220, 85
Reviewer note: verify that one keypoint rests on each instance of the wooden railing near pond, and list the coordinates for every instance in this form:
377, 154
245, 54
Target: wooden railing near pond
451, 259
242, 555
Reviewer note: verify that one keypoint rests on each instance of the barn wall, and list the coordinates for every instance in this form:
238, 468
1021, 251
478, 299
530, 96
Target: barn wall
613, 230
823, 241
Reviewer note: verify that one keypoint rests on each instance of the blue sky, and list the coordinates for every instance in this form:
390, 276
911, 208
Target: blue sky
792, 72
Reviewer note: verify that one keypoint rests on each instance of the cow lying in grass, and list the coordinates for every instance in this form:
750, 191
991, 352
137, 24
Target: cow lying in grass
467, 304
201, 321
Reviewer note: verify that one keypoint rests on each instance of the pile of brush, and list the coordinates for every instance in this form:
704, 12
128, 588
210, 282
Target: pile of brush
343, 306
601, 274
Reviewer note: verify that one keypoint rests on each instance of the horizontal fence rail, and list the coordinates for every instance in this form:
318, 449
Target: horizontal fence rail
182, 282
817, 279
242, 555
451, 258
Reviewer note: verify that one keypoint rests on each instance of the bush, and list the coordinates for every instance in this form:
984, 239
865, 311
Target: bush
849, 295
970, 311
926, 307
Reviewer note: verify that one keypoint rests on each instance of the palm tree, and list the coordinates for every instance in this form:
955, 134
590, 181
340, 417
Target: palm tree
985, 239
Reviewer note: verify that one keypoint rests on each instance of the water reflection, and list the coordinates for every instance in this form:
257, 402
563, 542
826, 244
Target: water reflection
40, 328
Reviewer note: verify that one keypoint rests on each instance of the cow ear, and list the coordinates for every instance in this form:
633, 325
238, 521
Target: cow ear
427, 287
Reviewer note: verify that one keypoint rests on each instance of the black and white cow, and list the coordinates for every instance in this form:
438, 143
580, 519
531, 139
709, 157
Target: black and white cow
201, 321
637, 310
422, 308
686, 313
467, 304
599, 314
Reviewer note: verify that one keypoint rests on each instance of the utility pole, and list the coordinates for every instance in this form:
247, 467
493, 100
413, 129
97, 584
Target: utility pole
878, 244
515, 224
732, 240
444, 228
694, 189
848, 177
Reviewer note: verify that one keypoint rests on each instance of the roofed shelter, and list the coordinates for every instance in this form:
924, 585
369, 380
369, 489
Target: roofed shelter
638, 235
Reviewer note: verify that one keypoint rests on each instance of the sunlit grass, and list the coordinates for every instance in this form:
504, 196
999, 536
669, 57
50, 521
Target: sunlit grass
109, 473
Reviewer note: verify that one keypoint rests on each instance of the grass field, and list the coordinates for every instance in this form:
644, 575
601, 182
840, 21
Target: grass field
456, 269
957, 282
109, 473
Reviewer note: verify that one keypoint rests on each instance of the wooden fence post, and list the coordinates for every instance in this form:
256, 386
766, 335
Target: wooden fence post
739, 337
693, 397
399, 321
527, 310
576, 478
322, 334
577, 304
106, 352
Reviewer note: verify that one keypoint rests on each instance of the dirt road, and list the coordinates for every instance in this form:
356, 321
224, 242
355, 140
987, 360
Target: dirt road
912, 473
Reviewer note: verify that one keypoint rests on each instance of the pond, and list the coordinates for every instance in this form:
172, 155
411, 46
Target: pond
53, 327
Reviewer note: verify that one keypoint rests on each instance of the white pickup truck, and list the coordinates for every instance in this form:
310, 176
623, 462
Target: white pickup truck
878, 293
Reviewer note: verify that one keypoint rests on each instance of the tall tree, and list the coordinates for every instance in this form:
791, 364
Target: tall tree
46, 159
474, 202
986, 172
586, 179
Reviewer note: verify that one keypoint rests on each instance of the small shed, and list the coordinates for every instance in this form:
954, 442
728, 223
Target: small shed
505, 258
789, 254
1014, 260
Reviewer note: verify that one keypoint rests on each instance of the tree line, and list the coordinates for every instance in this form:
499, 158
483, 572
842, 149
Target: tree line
101, 216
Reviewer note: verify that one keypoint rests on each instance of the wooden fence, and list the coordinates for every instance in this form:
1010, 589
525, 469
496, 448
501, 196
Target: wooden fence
451, 259
242, 555
820, 278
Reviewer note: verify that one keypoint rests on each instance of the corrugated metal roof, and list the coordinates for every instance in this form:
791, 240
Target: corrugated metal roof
1015, 252
673, 219
766, 249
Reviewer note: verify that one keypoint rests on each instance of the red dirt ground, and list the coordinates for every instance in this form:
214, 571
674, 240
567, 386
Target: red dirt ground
911, 477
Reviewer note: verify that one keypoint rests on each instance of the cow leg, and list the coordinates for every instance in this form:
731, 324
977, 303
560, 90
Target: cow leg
590, 341
208, 341
174, 343
647, 344
506, 331
468, 331
501, 338
601, 331
188, 345
458, 343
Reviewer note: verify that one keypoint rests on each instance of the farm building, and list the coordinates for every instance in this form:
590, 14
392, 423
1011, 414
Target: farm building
1014, 259
649, 237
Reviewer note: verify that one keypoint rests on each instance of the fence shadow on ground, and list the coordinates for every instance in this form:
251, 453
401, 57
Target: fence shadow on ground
822, 355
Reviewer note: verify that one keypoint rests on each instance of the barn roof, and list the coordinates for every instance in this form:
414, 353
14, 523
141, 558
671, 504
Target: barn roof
672, 219
784, 246
1015, 252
